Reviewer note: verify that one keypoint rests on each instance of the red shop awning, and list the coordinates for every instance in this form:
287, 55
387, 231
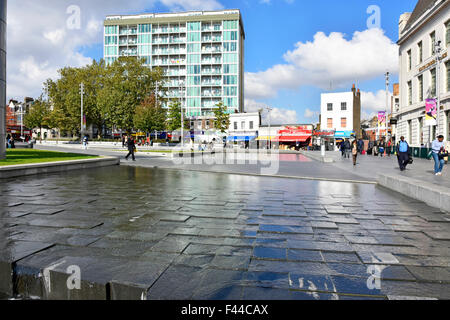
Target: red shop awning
291, 138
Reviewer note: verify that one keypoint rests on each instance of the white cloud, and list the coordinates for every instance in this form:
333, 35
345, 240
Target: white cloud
277, 115
372, 102
40, 43
327, 59
310, 114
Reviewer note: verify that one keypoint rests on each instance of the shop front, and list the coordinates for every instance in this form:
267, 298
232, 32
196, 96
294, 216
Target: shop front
287, 137
324, 137
341, 136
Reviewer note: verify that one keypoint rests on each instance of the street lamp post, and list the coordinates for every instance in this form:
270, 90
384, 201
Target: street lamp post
438, 50
386, 115
182, 88
82, 117
270, 136
3, 15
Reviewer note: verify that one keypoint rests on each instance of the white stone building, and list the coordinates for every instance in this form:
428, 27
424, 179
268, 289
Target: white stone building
341, 112
419, 32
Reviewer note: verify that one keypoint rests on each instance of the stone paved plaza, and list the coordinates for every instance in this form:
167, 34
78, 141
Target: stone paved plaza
157, 234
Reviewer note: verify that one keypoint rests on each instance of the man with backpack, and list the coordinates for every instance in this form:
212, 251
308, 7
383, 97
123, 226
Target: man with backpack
403, 153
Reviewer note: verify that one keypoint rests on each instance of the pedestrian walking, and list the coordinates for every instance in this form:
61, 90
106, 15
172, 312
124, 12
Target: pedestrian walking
12, 143
354, 151
348, 148
85, 142
389, 148
438, 153
342, 149
360, 146
403, 153
131, 148
381, 147
375, 149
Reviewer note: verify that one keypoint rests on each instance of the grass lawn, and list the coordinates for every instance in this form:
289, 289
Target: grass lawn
27, 156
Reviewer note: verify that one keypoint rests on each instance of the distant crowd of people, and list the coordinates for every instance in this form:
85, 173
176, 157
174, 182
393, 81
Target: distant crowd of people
402, 151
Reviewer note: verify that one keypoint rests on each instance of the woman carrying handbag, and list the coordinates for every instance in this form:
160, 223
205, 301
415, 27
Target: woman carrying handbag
354, 151
438, 153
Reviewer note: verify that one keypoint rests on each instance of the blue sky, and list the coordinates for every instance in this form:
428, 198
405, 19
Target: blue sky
273, 28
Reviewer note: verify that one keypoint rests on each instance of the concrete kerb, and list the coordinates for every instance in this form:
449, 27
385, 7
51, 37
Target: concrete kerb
53, 167
432, 195
262, 175
317, 157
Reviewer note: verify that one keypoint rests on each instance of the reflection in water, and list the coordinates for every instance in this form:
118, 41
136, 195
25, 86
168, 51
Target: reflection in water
133, 212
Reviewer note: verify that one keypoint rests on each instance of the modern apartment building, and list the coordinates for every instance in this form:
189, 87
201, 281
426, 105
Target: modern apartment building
201, 53
419, 33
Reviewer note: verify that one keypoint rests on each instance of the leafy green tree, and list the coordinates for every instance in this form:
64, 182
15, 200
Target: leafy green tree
222, 121
150, 116
37, 116
174, 116
127, 82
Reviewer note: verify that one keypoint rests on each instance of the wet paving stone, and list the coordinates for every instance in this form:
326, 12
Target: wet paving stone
267, 279
307, 282
304, 255
340, 257
270, 253
219, 237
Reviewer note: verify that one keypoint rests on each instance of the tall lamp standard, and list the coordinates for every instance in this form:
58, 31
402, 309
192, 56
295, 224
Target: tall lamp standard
82, 116
438, 51
3, 79
387, 105
182, 89
269, 109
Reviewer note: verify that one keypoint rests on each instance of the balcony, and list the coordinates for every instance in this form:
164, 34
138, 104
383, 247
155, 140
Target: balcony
215, 93
128, 52
211, 83
211, 50
177, 40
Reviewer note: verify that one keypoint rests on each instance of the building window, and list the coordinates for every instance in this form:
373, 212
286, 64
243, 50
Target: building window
420, 79
344, 106
330, 107
447, 33
235, 126
330, 123
447, 66
409, 93
343, 122
433, 42
433, 82
420, 51
409, 60
243, 125
251, 125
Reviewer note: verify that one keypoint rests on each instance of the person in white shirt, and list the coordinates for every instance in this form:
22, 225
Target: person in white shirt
437, 152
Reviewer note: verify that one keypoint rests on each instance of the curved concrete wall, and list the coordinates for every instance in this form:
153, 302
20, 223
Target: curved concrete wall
2, 78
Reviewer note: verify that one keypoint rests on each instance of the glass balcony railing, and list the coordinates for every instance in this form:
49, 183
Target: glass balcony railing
211, 83
211, 94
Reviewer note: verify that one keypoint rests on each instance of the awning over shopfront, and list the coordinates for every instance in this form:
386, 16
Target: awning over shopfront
344, 134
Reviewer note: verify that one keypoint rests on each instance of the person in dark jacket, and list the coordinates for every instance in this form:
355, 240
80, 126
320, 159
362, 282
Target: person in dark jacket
403, 153
131, 148
381, 147
360, 146
348, 148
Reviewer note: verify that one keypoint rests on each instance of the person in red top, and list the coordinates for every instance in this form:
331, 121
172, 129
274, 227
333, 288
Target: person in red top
389, 147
